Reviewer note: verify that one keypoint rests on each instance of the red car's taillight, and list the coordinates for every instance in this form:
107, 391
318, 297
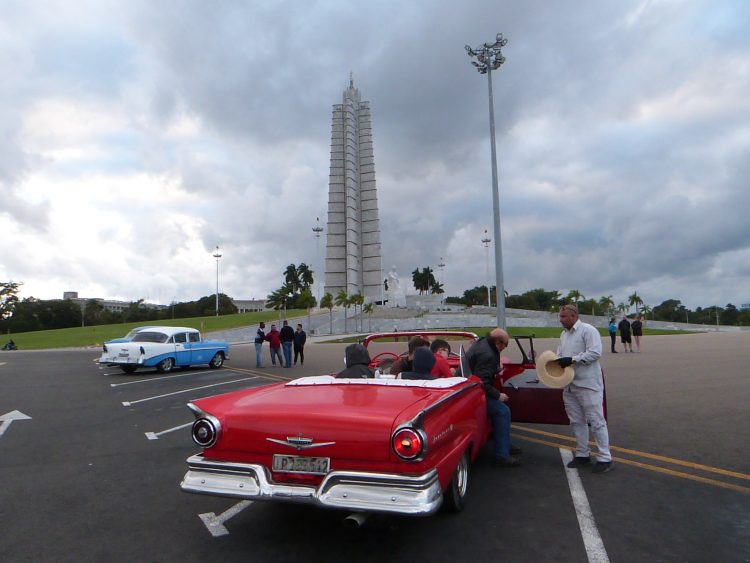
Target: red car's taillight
407, 443
205, 432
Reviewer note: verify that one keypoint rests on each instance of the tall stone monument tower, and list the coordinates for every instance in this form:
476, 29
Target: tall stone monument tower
353, 240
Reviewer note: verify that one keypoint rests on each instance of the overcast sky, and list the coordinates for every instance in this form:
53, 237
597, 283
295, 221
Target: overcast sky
138, 135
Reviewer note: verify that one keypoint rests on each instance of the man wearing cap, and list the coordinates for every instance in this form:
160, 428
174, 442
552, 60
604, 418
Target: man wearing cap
484, 361
581, 348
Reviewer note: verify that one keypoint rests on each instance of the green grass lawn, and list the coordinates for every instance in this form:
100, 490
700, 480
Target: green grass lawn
96, 335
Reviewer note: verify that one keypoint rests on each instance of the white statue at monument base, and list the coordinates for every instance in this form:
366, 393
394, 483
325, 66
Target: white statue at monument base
396, 295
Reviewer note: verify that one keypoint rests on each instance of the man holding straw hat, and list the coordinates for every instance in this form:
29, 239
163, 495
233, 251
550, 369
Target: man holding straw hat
581, 348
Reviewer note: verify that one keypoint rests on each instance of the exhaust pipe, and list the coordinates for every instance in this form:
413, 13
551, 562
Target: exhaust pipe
355, 520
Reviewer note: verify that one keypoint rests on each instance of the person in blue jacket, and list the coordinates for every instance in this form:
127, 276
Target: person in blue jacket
613, 333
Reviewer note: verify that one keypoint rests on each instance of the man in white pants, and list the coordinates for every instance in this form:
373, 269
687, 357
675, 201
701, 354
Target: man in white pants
581, 347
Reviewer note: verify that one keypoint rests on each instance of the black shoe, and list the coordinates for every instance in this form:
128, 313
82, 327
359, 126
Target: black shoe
603, 467
507, 462
577, 462
515, 450
614, 351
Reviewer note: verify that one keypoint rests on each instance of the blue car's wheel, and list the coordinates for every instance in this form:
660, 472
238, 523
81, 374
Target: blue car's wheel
217, 361
165, 365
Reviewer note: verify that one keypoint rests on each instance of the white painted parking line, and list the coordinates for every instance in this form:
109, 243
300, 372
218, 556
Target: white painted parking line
591, 539
155, 435
215, 524
150, 379
128, 403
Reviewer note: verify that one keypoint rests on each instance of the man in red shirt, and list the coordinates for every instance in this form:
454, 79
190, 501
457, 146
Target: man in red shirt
274, 338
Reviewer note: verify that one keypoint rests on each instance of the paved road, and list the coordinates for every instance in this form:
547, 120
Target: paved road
93, 475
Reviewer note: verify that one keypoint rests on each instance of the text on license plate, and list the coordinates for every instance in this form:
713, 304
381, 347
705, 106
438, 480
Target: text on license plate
298, 464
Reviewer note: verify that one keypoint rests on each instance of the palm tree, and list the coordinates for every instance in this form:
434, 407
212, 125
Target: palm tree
326, 302
645, 310
357, 299
635, 300
621, 308
575, 296
607, 304
367, 309
305, 275
277, 299
307, 300
291, 277
437, 288
342, 300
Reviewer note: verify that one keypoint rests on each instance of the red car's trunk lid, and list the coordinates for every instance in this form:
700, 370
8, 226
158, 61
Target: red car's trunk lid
350, 421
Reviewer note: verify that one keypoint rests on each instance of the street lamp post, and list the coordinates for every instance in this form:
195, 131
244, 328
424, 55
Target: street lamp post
441, 267
317, 229
489, 57
217, 255
486, 240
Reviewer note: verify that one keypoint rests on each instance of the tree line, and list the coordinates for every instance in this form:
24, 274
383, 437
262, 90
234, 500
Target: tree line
30, 314
671, 310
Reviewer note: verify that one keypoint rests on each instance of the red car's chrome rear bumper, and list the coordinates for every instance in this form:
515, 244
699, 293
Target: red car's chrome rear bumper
350, 490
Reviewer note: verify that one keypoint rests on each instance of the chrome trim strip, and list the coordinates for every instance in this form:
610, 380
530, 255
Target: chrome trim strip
350, 490
417, 421
299, 446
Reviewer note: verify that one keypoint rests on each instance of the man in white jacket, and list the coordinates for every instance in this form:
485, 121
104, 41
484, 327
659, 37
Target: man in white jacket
581, 347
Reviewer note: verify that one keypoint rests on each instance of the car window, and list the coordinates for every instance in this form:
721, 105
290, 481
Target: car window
147, 336
180, 337
194, 336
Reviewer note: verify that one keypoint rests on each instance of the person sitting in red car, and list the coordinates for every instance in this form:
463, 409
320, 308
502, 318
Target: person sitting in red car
423, 362
441, 349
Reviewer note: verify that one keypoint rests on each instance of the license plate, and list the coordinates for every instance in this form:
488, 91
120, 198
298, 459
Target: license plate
298, 464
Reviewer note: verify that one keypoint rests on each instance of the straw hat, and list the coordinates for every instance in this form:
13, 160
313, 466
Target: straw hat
550, 372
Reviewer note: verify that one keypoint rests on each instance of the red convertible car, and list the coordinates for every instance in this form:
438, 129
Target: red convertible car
363, 445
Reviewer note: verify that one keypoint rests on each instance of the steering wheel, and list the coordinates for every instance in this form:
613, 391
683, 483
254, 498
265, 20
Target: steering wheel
384, 358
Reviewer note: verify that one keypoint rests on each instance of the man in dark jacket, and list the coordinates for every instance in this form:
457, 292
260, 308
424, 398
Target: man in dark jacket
624, 327
357, 360
300, 337
287, 339
423, 362
484, 360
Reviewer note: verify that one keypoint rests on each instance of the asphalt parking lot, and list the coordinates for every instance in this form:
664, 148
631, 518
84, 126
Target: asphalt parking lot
91, 460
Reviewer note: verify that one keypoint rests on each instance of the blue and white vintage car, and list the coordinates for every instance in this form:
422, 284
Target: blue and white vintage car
164, 347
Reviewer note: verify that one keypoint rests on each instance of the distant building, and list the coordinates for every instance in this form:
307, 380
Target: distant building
109, 304
745, 307
353, 259
249, 305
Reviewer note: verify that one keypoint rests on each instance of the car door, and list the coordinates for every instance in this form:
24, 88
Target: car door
198, 355
529, 399
182, 350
